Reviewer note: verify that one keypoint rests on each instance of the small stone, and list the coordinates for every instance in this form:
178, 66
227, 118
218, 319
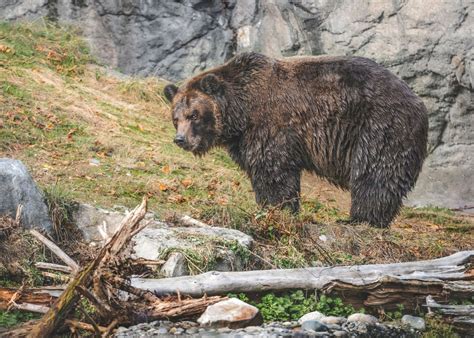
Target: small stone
192, 330
333, 327
187, 324
224, 330
417, 323
363, 318
313, 325
252, 328
340, 333
179, 330
316, 315
172, 330
175, 266
94, 162
333, 320
232, 313
162, 330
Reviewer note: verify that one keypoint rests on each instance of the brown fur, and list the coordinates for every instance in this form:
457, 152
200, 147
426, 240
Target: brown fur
346, 119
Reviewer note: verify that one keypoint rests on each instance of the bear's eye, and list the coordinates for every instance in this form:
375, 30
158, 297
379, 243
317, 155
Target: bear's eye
194, 115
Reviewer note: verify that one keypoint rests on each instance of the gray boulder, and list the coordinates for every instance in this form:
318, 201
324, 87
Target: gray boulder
17, 187
223, 249
417, 323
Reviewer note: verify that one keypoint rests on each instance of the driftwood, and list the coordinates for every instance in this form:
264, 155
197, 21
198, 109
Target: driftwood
103, 283
57, 251
24, 298
55, 267
368, 285
460, 316
174, 308
30, 307
61, 308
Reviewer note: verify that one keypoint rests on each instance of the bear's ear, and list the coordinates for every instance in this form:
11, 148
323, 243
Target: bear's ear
170, 92
211, 85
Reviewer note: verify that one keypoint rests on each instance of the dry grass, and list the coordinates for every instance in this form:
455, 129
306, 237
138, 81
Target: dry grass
106, 140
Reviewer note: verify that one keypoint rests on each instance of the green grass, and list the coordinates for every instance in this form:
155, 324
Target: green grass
41, 42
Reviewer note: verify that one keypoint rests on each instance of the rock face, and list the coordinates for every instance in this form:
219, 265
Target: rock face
17, 187
430, 45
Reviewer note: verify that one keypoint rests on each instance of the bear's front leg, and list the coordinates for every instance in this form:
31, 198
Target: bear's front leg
276, 184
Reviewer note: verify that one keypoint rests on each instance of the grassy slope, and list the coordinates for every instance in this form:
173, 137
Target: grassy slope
106, 139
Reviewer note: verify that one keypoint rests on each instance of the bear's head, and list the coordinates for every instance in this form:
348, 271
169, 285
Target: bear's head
196, 113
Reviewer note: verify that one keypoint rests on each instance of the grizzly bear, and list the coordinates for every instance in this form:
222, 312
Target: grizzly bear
346, 119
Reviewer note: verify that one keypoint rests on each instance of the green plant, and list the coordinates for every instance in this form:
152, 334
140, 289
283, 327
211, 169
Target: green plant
397, 314
437, 328
14, 317
294, 305
333, 306
60, 207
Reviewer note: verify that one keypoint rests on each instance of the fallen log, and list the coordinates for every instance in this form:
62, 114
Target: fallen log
460, 316
367, 285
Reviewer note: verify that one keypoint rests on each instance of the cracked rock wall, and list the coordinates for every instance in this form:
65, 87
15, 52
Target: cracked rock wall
428, 43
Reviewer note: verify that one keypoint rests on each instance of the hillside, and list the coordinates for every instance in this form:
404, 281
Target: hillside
93, 135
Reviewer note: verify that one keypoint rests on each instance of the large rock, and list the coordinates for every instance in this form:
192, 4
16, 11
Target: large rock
232, 313
17, 187
212, 248
429, 44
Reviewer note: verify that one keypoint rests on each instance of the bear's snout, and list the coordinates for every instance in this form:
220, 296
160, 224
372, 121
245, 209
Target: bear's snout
180, 141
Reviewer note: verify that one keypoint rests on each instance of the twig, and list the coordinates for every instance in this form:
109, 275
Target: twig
18, 214
142, 261
91, 320
110, 327
103, 309
83, 326
52, 266
57, 251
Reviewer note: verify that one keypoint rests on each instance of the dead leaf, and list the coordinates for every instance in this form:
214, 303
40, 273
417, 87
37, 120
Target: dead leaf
70, 133
163, 187
187, 182
177, 198
5, 49
166, 169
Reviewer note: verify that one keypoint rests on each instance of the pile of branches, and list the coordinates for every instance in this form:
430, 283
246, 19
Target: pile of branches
103, 282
